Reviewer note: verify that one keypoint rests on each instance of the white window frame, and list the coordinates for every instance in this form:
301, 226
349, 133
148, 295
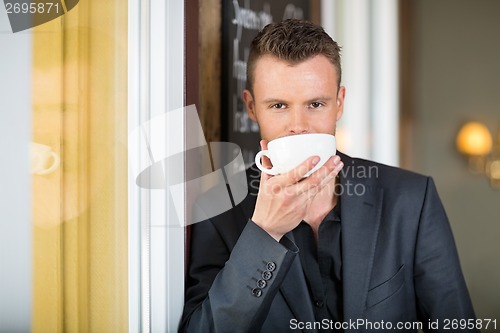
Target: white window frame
156, 241
368, 33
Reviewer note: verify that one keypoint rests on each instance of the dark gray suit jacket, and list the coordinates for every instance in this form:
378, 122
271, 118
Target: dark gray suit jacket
399, 262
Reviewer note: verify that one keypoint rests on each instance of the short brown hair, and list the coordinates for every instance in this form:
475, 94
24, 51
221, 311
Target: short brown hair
293, 41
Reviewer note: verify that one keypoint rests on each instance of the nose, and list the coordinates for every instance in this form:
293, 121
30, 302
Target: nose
298, 122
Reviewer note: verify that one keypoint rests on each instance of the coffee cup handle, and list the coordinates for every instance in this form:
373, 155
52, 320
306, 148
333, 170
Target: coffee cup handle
259, 155
55, 163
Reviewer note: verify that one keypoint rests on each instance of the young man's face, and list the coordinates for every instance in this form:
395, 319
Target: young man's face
295, 99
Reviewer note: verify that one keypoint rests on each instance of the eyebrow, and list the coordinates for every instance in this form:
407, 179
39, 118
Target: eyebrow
316, 99
274, 100
320, 98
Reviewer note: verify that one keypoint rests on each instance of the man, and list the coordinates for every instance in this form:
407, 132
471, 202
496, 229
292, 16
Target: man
316, 254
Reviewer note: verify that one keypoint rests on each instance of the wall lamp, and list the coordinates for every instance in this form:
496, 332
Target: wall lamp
482, 151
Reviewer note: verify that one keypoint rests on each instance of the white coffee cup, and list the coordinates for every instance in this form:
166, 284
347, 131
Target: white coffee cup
288, 152
43, 159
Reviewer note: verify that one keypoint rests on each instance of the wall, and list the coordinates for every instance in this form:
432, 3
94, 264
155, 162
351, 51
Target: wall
455, 51
15, 134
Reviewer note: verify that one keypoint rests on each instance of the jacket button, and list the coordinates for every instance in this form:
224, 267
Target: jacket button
319, 304
266, 275
256, 292
271, 266
261, 283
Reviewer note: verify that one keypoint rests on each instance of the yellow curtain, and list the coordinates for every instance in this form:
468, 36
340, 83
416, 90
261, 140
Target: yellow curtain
80, 209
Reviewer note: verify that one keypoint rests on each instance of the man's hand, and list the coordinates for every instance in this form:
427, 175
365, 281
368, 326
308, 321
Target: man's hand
283, 200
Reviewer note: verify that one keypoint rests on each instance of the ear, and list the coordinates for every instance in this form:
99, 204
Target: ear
340, 102
250, 104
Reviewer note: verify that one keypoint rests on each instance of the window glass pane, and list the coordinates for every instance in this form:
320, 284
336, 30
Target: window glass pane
79, 170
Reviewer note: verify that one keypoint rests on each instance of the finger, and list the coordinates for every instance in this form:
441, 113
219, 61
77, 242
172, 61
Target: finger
321, 177
293, 176
331, 176
266, 162
314, 181
327, 168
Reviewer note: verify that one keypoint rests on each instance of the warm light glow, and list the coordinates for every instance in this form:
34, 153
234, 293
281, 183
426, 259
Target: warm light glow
474, 139
495, 170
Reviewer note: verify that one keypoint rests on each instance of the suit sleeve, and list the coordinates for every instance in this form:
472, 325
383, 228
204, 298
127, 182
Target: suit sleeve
231, 291
439, 283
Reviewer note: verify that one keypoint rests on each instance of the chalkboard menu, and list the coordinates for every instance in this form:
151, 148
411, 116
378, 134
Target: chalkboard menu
241, 21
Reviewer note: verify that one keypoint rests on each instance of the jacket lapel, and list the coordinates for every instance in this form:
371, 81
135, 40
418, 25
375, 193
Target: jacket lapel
360, 214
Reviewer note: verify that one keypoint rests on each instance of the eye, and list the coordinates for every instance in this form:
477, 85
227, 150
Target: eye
278, 106
316, 105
